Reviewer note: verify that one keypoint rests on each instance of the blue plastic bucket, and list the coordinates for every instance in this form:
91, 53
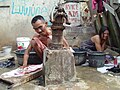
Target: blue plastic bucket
96, 59
80, 56
33, 57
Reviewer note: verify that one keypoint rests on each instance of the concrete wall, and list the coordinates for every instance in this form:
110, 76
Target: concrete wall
16, 15
75, 35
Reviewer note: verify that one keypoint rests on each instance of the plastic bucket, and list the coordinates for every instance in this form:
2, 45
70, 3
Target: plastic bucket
22, 42
7, 50
96, 59
80, 56
33, 58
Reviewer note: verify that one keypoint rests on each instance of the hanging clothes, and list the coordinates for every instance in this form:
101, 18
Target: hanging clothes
94, 4
100, 5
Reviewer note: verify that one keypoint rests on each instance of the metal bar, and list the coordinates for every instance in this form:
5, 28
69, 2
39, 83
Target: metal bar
4, 6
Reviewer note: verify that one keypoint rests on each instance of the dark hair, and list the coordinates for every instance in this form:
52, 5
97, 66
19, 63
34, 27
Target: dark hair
102, 30
38, 17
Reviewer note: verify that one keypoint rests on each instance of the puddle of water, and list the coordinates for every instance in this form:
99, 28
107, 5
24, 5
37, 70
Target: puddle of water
3, 86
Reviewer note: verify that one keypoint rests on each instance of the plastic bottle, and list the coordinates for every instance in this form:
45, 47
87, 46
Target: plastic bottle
115, 62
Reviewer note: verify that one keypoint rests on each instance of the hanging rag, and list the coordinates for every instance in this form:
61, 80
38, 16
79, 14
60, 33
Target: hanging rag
94, 2
100, 5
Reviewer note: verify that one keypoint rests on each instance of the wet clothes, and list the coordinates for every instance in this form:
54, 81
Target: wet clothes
7, 64
100, 5
88, 45
21, 72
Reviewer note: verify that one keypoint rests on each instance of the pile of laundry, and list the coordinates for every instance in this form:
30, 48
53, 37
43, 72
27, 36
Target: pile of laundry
21, 71
7, 63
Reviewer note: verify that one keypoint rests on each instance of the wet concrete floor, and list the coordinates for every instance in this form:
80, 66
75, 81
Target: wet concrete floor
88, 78
96, 80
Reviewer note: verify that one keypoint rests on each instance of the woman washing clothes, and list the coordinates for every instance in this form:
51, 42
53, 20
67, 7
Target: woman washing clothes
96, 42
